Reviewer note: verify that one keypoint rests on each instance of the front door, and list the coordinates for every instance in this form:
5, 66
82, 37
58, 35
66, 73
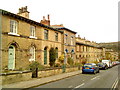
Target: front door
11, 58
45, 56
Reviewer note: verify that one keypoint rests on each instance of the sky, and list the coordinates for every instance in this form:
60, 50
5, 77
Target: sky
96, 20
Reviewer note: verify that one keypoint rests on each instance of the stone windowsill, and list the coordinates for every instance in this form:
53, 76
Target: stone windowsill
15, 34
33, 37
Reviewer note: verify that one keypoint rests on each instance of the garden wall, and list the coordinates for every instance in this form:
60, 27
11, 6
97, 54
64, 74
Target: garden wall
8, 78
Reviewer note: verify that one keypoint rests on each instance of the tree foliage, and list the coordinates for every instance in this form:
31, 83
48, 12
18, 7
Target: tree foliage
61, 59
52, 56
70, 61
34, 65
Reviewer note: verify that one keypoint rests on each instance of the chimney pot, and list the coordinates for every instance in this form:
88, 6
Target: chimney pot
23, 12
43, 18
48, 17
20, 10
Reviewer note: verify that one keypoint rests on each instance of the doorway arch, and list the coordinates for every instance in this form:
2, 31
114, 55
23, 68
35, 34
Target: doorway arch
11, 57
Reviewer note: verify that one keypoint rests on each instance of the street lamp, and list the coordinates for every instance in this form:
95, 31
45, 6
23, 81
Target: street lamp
64, 66
72, 52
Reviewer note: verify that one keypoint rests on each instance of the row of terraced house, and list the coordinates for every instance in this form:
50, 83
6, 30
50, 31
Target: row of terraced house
24, 40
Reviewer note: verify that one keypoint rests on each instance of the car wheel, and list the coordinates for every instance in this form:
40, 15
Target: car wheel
105, 68
98, 71
83, 72
94, 72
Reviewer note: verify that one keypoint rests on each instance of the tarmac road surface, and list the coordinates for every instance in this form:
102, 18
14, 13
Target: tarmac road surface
105, 79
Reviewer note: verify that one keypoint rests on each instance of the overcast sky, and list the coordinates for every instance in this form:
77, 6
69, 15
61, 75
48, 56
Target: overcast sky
96, 20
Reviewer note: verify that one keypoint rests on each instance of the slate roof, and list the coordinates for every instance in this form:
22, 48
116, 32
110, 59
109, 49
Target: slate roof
63, 28
3, 12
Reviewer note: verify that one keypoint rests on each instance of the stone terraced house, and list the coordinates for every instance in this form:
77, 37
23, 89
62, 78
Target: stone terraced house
88, 51
23, 40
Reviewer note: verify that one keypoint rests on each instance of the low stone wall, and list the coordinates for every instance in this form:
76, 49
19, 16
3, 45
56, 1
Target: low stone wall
22, 76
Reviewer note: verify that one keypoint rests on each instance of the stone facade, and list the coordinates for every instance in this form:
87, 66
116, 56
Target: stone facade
21, 41
111, 55
24, 40
69, 41
87, 51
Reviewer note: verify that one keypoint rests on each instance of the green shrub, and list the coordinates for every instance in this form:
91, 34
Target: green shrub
35, 65
57, 64
83, 62
52, 56
61, 59
77, 64
70, 61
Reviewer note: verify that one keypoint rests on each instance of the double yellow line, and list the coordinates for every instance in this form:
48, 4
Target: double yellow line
114, 86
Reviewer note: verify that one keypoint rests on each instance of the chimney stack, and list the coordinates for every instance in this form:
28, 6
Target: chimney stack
78, 36
48, 17
43, 18
23, 12
46, 22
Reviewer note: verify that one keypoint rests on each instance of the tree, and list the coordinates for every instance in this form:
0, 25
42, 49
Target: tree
34, 67
61, 59
52, 56
70, 61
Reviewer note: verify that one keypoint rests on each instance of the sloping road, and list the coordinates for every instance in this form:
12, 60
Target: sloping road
104, 79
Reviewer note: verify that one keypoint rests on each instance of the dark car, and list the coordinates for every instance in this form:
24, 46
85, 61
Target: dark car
102, 66
90, 68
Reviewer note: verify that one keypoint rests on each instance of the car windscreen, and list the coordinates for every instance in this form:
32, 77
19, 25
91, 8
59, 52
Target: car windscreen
100, 64
88, 66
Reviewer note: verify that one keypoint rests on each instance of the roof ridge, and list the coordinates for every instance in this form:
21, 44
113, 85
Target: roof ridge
4, 12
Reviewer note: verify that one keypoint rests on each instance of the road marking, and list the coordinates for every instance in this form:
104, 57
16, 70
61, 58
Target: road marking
80, 85
70, 86
95, 77
114, 84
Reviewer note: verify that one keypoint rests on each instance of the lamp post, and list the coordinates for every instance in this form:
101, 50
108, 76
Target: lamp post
64, 66
72, 52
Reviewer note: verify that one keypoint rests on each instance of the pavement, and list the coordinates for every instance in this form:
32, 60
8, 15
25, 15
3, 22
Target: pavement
40, 81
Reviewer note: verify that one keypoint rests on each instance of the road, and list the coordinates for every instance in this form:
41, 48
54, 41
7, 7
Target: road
104, 79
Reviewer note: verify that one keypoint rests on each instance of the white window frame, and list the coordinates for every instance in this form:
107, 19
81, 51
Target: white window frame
13, 28
46, 34
32, 32
32, 53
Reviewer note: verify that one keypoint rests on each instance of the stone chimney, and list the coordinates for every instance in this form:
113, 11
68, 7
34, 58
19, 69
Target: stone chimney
79, 36
23, 12
46, 22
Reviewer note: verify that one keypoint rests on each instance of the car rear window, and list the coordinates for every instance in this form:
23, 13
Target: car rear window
87, 65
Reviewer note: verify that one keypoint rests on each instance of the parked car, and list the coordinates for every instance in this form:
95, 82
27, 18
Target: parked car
108, 62
90, 68
115, 63
102, 65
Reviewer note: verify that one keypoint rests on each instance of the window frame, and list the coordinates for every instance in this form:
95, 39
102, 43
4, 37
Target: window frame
71, 40
32, 53
13, 26
45, 34
32, 31
56, 36
56, 50
66, 38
